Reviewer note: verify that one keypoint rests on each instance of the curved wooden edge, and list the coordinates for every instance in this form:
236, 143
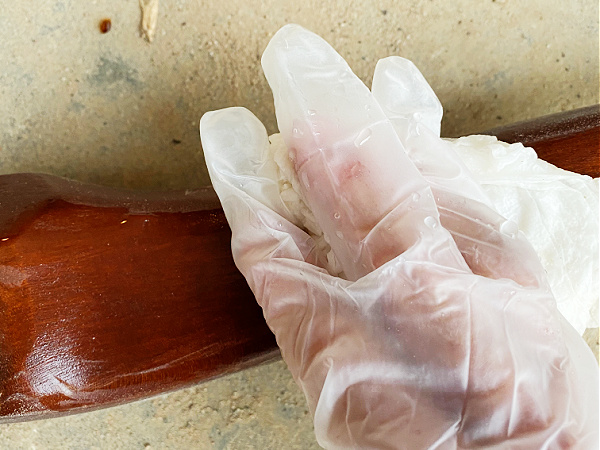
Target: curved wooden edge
569, 140
148, 390
109, 296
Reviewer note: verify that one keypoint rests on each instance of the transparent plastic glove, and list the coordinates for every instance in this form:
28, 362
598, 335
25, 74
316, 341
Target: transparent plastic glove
556, 209
439, 335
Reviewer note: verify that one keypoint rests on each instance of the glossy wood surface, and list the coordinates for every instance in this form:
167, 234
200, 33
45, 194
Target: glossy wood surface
108, 295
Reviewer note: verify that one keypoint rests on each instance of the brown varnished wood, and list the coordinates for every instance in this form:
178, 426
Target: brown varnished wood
108, 295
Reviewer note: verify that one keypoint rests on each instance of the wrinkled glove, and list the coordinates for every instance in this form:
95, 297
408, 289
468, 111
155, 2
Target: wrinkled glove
411, 314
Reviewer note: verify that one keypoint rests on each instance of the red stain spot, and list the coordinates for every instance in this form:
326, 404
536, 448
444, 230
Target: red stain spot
105, 25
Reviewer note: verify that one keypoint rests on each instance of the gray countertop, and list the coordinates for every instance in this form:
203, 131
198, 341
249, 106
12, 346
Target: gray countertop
117, 110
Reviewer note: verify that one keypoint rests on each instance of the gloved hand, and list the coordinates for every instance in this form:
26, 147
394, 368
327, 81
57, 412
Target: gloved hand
441, 331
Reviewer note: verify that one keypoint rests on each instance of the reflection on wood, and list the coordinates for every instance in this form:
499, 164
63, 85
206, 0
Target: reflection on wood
108, 296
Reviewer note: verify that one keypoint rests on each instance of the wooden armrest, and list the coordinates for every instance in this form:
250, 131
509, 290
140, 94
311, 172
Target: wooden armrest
108, 295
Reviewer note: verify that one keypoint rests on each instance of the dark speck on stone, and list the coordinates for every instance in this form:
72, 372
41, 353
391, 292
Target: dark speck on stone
111, 70
384, 11
176, 141
76, 106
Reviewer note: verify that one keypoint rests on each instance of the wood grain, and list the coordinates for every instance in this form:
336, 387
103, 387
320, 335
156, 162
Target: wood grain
108, 295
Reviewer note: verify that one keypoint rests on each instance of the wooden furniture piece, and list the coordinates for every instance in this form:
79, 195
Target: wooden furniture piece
568, 140
108, 296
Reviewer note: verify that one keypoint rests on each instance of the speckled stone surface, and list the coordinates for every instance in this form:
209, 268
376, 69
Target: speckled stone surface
116, 110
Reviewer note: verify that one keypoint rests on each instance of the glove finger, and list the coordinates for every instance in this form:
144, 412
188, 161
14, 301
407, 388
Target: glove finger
411, 105
367, 196
402, 91
491, 245
234, 143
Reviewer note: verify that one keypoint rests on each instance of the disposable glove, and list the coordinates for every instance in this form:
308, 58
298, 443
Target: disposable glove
411, 314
